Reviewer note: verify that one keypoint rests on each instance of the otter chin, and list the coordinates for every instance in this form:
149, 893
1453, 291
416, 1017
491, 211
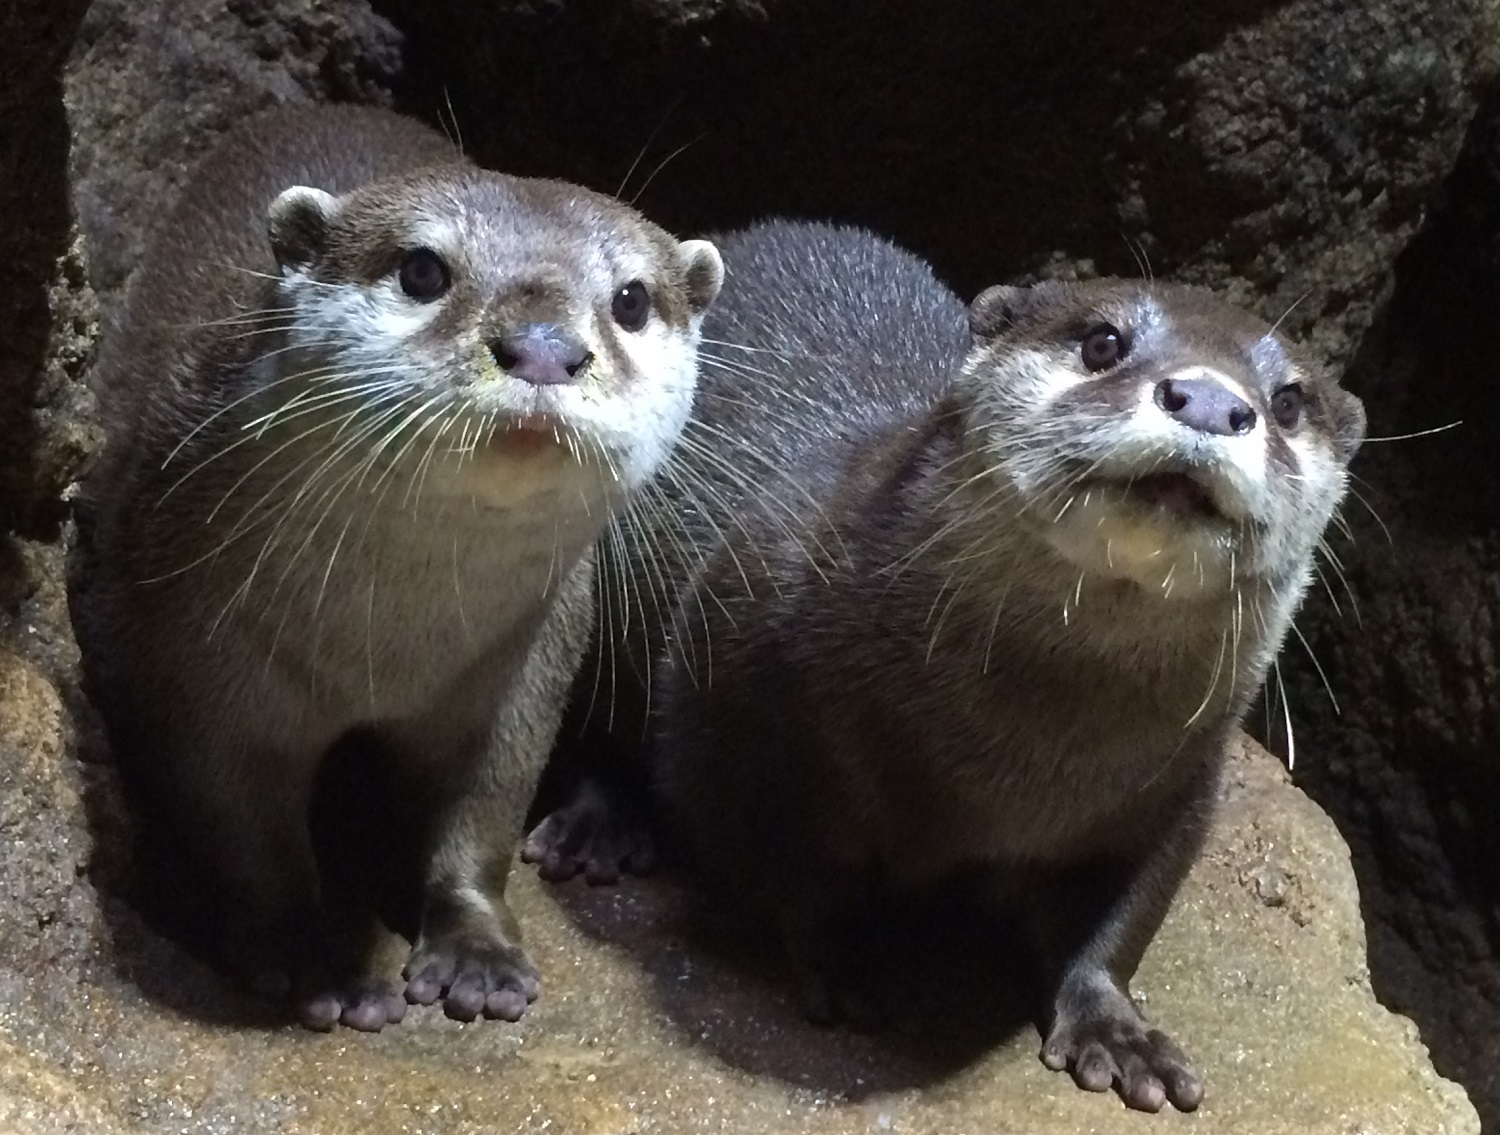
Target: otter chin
1177, 532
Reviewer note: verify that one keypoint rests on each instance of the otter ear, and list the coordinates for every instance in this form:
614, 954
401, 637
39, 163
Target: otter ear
298, 223
704, 271
998, 309
1348, 414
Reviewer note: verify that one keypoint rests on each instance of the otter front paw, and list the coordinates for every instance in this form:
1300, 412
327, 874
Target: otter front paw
1111, 1044
474, 975
594, 833
366, 1006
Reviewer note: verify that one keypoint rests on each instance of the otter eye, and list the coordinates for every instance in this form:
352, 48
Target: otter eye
631, 306
1286, 406
1103, 346
424, 276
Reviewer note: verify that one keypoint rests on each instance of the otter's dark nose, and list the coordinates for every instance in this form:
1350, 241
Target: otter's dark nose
1205, 405
542, 354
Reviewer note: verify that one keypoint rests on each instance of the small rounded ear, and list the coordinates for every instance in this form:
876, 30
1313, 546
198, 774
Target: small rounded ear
998, 309
991, 311
704, 270
1349, 422
298, 224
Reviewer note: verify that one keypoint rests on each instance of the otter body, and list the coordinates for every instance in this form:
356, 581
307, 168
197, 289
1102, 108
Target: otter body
1024, 572
368, 408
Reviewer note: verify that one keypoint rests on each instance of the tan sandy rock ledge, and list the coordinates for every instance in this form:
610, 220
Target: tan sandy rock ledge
1259, 971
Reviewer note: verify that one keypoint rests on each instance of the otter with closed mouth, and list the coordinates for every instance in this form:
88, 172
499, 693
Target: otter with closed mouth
368, 408
1020, 575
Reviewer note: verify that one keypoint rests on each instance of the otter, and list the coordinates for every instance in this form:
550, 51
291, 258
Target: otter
368, 407
1015, 575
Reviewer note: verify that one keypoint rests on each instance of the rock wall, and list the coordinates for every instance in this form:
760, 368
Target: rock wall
45, 307
1408, 766
1288, 152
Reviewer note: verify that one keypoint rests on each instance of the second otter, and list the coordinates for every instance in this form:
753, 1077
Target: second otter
985, 601
368, 409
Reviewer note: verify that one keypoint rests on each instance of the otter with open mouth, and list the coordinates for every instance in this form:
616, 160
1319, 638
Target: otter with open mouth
368, 408
994, 602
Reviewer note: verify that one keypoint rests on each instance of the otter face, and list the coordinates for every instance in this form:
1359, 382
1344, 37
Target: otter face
510, 334
1157, 434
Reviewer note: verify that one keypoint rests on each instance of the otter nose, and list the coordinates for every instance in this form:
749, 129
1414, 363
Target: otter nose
1205, 405
542, 354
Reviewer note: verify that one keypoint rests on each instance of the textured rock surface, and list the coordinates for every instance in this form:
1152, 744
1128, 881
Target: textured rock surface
46, 309
152, 84
1270, 148
1260, 970
1410, 767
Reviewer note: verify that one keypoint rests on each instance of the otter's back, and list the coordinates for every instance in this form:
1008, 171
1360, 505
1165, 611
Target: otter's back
823, 335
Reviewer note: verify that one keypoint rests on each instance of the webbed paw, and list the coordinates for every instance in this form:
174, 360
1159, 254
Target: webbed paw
366, 1006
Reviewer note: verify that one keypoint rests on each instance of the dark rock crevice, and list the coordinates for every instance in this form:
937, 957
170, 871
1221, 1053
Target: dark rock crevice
1409, 767
982, 135
41, 451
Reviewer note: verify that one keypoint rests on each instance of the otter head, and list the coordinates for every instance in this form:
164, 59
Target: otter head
508, 333
1156, 434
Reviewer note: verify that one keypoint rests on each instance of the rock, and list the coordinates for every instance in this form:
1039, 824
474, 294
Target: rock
151, 85
46, 308
1259, 970
1408, 761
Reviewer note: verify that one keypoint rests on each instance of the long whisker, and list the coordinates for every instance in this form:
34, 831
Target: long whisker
1417, 434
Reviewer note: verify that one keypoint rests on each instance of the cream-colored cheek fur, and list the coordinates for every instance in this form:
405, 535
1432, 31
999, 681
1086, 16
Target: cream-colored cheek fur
362, 329
641, 419
352, 338
353, 344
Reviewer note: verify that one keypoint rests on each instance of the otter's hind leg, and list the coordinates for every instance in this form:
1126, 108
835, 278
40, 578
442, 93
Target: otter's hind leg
835, 950
245, 813
600, 831
592, 814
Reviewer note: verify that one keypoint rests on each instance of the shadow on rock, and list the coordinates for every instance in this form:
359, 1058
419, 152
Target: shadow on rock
157, 927
953, 985
165, 917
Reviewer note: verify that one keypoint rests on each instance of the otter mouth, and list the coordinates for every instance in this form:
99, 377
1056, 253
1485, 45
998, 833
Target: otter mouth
536, 423
528, 432
1176, 494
